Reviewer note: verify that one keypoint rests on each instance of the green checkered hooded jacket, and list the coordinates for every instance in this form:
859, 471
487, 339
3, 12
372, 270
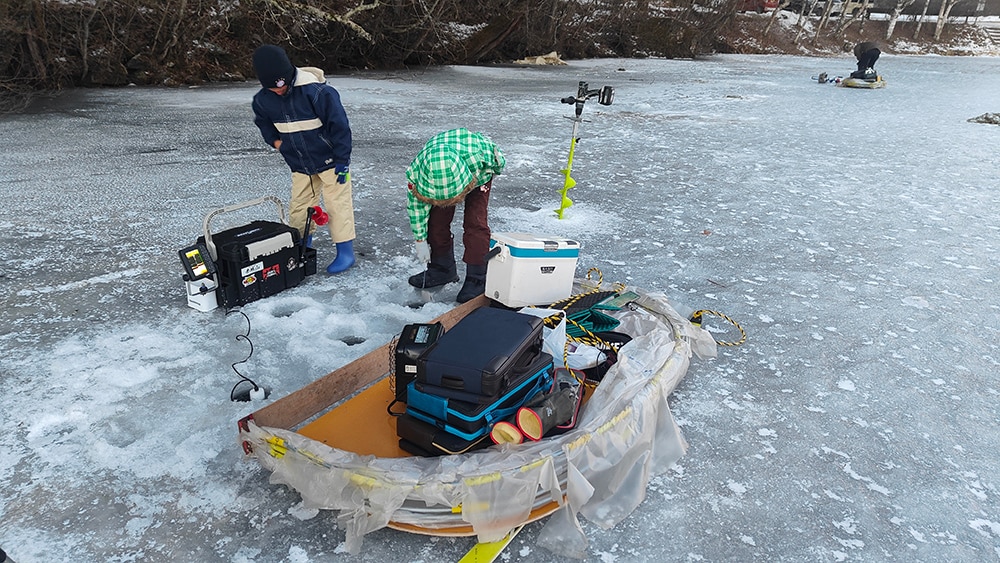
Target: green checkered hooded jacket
451, 164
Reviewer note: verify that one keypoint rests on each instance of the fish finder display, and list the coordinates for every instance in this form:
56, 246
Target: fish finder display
195, 264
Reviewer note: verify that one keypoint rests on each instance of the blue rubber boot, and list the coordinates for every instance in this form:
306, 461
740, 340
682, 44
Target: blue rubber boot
345, 258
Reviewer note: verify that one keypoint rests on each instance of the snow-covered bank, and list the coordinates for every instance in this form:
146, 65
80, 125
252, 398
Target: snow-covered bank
789, 36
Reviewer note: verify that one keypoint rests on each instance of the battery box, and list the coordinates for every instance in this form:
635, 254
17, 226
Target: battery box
413, 341
525, 269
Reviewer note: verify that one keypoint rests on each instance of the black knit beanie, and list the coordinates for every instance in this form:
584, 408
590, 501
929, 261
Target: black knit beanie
272, 66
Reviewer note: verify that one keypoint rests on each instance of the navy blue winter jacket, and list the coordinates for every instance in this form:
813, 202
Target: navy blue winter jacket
310, 121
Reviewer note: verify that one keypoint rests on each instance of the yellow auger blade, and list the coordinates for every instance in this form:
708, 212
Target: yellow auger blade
569, 182
566, 201
488, 552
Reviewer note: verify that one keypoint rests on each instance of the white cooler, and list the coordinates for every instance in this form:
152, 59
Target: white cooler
526, 269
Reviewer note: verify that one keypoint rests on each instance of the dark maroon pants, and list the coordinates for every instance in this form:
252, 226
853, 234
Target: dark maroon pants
476, 228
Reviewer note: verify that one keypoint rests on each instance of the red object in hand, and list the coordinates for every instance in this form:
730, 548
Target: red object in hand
319, 216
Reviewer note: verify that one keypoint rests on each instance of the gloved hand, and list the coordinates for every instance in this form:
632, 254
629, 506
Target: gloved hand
423, 252
343, 173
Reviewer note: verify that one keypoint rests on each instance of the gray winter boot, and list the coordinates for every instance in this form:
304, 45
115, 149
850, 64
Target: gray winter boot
440, 270
475, 283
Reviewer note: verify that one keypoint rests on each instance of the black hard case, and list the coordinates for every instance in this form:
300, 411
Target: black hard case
413, 341
242, 279
420, 438
473, 420
477, 359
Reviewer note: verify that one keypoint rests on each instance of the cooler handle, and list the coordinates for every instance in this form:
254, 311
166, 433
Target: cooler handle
494, 252
250, 203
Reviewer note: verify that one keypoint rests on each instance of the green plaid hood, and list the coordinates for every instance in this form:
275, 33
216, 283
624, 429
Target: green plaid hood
450, 164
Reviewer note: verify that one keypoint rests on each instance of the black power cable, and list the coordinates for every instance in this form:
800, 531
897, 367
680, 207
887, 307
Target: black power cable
246, 395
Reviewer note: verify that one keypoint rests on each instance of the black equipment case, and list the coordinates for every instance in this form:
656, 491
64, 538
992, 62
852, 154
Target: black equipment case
420, 438
413, 341
470, 421
258, 259
481, 355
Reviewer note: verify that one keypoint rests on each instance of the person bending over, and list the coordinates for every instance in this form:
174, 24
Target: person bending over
453, 167
866, 53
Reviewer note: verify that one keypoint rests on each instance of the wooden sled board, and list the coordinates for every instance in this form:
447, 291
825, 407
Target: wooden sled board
293, 409
861, 83
360, 424
536, 514
368, 410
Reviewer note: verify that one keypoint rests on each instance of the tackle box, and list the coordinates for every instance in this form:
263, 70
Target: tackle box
258, 259
481, 355
525, 269
471, 420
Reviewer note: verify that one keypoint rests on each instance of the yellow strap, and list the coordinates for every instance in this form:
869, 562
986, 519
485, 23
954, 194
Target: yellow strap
488, 552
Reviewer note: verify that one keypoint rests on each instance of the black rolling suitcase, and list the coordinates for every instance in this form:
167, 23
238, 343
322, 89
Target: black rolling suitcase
480, 356
471, 421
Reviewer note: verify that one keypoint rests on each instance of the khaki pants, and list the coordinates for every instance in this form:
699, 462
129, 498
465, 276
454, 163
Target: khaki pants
337, 201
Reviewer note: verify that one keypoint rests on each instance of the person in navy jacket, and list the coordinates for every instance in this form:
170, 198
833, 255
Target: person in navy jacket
302, 117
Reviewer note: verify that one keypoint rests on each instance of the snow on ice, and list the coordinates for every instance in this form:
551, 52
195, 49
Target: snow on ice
853, 234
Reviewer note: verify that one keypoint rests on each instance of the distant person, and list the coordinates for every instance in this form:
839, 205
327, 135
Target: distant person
302, 117
866, 53
453, 167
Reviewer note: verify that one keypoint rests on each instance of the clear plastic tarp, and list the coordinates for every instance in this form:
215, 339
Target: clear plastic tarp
625, 434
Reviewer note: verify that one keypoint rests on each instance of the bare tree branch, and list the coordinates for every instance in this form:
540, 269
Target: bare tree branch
923, 15
85, 26
344, 20
774, 16
946, 6
897, 10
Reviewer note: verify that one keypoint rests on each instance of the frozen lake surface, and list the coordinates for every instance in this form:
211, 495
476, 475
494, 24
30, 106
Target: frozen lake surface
853, 234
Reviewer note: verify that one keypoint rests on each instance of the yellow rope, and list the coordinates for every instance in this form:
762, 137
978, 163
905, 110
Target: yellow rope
696, 320
589, 337
553, 320
392, 365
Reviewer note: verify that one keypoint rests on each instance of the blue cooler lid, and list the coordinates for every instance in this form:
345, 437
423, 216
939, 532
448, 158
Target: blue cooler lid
524, 245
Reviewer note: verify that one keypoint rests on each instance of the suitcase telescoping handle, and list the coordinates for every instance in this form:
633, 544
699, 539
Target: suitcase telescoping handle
528, 359
250, 203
